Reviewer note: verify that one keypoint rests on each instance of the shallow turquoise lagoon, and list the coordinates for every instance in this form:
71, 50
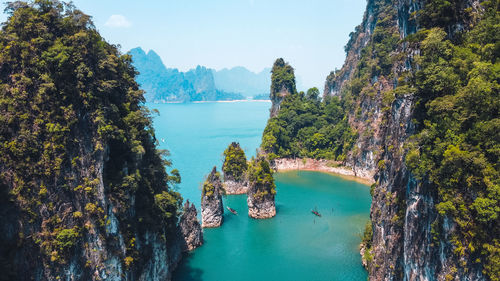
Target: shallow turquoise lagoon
295, 245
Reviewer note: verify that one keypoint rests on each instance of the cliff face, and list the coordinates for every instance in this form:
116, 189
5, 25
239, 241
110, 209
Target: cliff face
403, 208
84, 191
282, 84
212, 209
190, 228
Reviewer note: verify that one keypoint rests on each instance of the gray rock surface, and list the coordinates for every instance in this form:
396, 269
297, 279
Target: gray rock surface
190, 227
211, 201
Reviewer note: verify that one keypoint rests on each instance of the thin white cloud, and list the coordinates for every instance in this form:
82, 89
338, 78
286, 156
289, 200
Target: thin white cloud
118, 21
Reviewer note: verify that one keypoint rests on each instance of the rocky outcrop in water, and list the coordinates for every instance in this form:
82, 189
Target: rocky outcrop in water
262, 189
235, 170
212, 209
190, 227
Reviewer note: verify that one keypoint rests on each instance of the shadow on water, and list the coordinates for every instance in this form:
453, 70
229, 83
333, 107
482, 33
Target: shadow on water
229, 217
185, 272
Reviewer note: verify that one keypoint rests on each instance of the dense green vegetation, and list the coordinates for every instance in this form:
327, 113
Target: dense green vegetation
457, 149
366, 241
282, 79
306, 126
69, 110
235, 163
260, 176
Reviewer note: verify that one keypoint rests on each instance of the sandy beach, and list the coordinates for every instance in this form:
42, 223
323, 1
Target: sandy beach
326, 166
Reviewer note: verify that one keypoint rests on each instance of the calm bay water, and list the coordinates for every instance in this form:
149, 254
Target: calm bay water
295, 245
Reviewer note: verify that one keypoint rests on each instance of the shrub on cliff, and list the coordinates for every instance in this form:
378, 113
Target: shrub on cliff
282, 78
261, 178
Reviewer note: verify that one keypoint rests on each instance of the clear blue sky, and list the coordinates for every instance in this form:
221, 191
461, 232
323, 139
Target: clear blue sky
310, 34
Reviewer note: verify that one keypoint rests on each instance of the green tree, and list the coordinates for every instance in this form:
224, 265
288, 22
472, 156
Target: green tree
235, 162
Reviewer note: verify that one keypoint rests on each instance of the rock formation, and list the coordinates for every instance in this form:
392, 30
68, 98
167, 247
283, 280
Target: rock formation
281, 84
411, 240
262, 190
211, 200
190, 227
84, 193
235, 168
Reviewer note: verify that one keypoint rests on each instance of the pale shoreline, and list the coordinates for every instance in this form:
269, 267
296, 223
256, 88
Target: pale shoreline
324, 166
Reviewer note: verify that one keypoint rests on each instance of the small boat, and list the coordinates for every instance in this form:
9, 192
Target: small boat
232, 210
316, 213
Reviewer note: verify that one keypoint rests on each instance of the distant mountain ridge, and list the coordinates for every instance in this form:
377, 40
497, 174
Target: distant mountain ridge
163, 84
241, 80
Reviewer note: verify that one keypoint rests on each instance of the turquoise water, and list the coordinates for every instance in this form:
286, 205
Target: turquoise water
295, 245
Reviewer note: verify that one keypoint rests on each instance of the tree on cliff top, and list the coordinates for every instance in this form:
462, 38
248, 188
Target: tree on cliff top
282, 78
235, 162
261, 178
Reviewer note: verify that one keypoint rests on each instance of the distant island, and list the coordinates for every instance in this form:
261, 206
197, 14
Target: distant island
241, 80
261, 97
163, 85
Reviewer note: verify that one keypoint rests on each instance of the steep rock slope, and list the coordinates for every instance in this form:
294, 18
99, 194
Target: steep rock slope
84, 191
190, 227
212, 210
404, 64
283, 84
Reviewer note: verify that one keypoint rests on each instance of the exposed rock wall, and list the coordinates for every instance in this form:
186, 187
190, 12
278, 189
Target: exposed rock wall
281, 85
212, 209
235, 187
261, 208
84, 193
190, 228
403, 209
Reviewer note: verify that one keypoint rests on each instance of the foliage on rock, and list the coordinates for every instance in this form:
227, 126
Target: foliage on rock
260, 176
457, 148
235, 162
76, 143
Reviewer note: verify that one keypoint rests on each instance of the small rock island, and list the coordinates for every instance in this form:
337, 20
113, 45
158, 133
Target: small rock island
262, 189
190, 227
235, 167
211, 200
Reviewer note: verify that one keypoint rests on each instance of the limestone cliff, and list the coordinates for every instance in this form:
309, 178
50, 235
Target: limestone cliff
84, 193
282, 84
190, 227
212, 209
403, 212
262, 190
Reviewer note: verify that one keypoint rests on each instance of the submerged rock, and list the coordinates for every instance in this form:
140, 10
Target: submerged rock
190, 227
235, 168
262, 190
211, 200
